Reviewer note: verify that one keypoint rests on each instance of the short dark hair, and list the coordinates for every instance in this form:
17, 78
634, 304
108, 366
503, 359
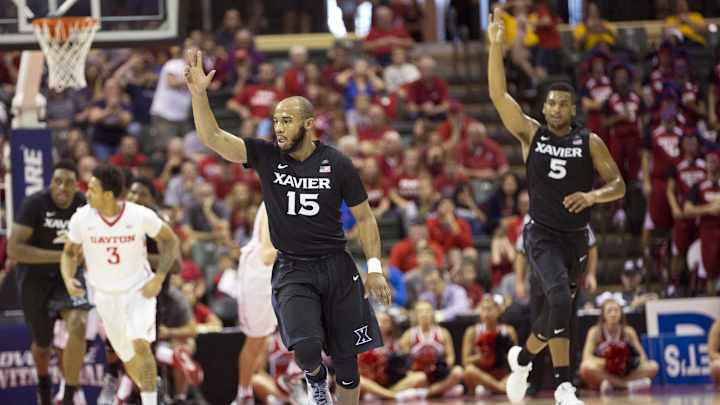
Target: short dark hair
111, 179
564, 87
147, 183
68, 165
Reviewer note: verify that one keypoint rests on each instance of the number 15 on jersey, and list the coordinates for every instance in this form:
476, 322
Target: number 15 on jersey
309, 205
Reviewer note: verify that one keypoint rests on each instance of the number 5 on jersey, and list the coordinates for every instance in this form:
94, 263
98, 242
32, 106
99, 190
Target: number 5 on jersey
557, 168
114, 257
308, 204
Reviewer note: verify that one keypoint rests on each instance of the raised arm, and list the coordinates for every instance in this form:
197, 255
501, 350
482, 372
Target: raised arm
21, 251
520, 125
614, 187
225, 144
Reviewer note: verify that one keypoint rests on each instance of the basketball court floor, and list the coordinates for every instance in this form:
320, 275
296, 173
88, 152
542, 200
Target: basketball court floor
675, 395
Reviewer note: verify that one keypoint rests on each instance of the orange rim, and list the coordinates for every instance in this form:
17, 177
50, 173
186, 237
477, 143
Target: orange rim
59, 27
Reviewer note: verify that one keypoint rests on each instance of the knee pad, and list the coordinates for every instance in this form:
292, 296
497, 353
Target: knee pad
346, 372
560, 302
308, 354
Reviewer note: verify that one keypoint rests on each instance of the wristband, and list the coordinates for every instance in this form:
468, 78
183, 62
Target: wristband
374, 265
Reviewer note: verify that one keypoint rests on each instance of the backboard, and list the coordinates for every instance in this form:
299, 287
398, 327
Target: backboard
123, 23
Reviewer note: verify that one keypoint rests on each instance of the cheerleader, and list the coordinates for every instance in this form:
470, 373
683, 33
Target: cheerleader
613, 356
486, 368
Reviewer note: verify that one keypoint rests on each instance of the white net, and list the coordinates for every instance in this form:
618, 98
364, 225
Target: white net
66, 43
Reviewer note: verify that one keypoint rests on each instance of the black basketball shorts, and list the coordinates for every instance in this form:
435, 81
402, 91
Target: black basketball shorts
323, 298
555, 258
43, 297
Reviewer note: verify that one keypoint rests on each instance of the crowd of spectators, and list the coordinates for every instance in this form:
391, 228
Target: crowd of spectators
446, 185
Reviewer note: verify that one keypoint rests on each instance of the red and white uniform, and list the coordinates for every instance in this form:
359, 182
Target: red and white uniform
374, 364
686, 174
426, 350
664, 146
616, 352
281, 363
624, 136
486, 343
117, 268
599, 91
705, 193
254, 293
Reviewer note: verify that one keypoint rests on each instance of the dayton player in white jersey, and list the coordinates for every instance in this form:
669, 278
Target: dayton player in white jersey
255, 312
111, 234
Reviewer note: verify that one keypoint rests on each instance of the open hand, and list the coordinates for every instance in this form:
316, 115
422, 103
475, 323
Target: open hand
195, 77
576, 202
496, 28
377, 286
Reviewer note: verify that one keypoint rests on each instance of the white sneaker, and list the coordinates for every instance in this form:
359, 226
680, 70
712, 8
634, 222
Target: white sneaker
454, 392
482, 392
639, 384
565, 395
109, 387
517, 384
319, 393
606, 387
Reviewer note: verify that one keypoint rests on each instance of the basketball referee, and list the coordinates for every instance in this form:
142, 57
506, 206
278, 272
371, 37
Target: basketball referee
561, 159
317, 294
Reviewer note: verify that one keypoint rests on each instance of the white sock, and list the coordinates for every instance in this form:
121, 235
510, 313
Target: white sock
148, 398
164, 354
244, 392
124, 388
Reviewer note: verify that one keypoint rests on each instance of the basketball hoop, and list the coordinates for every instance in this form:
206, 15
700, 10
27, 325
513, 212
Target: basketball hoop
66, 41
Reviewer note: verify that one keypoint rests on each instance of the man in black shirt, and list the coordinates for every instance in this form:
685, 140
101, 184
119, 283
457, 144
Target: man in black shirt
318, 296
36, 243
560, 159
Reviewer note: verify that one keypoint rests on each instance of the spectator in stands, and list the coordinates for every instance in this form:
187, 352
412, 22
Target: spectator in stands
447, 299
662, 73
691, 103
128, 155
428, 96
340, 61
681, 179
205, 320
385, 36
594, 31
714, 353
451, 178
376, 187
504, 202
595, 92
431, 351
61, 109
294, 76
382, 373
704, 203
360, 80
483, 349
503, 244
690, 24
139, 80
467, 278
404, 254
313, 88
178, 193
86, 165
454, 129
359, 115
713, 96
173, 158
480, 156
613, 356
109, 119
406, 185
239, 204
231, 23
9, 71
548, 54
256, 101
170, 108
623, 118
633, 291
244, 50
215, 57
520, 38
400, 72
371, 135
391, 154
448, 230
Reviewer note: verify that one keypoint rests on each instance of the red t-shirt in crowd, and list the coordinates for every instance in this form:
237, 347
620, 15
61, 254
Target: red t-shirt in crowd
664, 147
376, 33
294, 80
447, 185
370, 134
633, 104
705, 193
598, 90
390, 165
440, 234
404, 255
445, 129
548, 36
120, 160
408, 186
687, 174
434, 90
259, 99
487, 155
376, 191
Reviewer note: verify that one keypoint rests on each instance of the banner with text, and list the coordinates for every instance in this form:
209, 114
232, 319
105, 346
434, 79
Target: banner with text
30, 162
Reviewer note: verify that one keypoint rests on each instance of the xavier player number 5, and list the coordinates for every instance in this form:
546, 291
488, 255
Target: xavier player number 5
561, 159
317, 293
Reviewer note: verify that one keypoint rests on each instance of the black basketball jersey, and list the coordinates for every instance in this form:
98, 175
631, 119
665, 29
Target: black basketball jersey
558, 166
48, 222
303, 198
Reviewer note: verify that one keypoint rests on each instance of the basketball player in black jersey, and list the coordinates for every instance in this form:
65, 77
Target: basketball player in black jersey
318, 297
560, 159
36, 243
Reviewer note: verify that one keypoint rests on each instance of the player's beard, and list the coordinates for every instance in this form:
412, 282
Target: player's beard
297, 142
